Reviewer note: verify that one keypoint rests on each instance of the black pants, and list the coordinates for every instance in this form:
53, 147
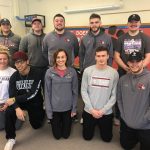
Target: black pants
129, 137
36, 116
105, 125
61, 124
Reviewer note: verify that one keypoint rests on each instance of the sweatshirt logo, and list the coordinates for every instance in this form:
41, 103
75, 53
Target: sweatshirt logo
101, 42
24, 84
141, 86
67, 40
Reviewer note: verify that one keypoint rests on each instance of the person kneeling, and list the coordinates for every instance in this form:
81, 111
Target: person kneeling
61, 94
98, 90
25, 94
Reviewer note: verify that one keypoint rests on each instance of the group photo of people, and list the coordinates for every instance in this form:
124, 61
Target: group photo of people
41, 89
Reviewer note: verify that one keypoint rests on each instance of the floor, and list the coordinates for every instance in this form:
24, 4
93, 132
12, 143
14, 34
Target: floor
42, 139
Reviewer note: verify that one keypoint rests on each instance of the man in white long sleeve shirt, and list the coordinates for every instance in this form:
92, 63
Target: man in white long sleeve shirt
98, 91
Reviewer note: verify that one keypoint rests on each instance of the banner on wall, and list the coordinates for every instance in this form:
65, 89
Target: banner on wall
82, 31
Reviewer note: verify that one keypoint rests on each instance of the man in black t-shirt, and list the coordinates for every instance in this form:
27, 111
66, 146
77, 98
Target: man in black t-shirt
25, 94
133, 40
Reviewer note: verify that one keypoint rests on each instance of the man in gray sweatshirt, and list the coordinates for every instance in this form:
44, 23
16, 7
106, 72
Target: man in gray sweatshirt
9, 39
98, 92
32, 45
60, 38
95, 37
133, 97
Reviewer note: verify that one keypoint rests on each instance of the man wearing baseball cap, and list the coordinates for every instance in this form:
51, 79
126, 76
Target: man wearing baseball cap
32, 45
127, 43
133, 97
8, 38
133, 39
25, 94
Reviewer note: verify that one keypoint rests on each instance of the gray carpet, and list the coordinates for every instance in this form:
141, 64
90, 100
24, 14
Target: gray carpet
42, 139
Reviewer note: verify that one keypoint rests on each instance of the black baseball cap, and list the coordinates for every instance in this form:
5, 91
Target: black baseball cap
134, 17
36, 19
135, 56
5, 21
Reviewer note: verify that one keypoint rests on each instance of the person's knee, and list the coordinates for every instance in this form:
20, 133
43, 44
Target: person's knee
36, 125
126, 146
107, 139
65, 136
57, 137
87, 137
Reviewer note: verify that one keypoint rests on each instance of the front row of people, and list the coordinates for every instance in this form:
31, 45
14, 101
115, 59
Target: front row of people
98, 90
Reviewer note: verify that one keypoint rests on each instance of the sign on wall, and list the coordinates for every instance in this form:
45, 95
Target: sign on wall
82, 31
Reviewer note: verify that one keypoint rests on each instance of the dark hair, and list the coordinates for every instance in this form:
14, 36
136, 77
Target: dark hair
56, 54
59, 15
112, 29
119, 33
95, 16
101, 48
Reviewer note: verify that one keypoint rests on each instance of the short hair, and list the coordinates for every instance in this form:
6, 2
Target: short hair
95, 16
59, 15
119, 33
112, 29
101, 48
56, 54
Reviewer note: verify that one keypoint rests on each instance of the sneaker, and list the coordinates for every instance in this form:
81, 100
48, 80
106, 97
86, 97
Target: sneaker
116, 122
81, 121
9, 145
75, 118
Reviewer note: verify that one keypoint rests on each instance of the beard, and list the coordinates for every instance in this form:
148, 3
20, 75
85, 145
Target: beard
59, 29
95, 30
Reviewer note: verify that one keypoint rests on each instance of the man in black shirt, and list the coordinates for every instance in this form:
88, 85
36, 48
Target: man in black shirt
25, 94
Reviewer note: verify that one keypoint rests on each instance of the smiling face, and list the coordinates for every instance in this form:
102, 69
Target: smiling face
5, 27
95, 24
59, 23
135, 66
22, 66
4, 61
37, 26
61, 59
134, 25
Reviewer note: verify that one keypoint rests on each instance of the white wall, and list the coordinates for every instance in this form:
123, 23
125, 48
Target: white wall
50, 7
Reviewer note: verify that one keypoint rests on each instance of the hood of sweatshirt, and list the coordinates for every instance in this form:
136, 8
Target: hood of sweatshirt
9, 35
39, 38
102, 31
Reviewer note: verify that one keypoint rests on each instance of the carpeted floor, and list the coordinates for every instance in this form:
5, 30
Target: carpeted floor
42, 139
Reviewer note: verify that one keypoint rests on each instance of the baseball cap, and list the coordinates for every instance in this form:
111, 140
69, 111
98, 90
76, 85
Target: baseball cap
36, 19
5, 21
134, 17
135, 56
20, 55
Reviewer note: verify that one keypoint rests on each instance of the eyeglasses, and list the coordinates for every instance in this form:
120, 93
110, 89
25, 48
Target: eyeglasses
19, 62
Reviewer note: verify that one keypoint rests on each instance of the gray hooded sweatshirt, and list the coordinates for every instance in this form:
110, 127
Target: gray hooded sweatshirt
61, 93
88, 45
67, 41
12, 42
133, 96
32, 45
